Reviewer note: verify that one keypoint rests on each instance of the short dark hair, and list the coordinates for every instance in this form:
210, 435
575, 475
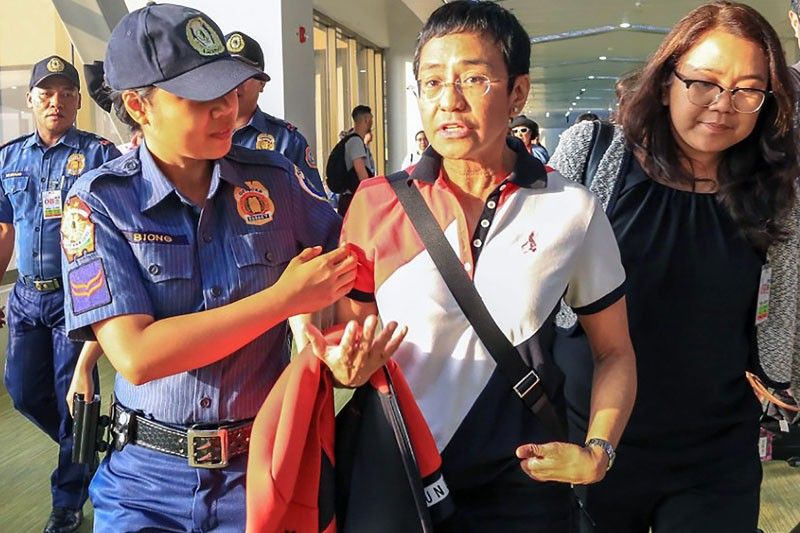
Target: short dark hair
420, 131
794, 5
486, 19
756, 176
359, 111
587, 116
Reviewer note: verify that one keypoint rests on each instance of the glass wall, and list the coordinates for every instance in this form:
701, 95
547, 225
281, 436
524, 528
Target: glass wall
24, 40
348, 72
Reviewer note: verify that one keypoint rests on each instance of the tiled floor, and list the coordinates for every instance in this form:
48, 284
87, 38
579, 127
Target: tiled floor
28, 457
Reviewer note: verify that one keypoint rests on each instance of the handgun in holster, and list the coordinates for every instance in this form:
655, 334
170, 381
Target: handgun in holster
88, 429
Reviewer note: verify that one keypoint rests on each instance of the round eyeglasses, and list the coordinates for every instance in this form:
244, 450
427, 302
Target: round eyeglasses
706, 93
470, 86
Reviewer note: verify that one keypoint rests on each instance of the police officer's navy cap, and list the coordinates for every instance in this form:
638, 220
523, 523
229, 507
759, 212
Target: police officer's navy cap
176, 48
52, 66
245, 48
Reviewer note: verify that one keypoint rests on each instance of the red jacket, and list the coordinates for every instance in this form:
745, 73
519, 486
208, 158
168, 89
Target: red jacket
292, 485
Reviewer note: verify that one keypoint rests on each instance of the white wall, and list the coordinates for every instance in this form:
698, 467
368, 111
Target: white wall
402, 112
367, 18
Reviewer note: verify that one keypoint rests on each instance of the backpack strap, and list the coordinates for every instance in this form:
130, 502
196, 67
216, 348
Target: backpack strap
524, 380
602, 135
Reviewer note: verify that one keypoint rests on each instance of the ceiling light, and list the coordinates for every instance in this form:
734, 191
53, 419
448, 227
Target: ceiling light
602, 58
590, 77
625, 25
547, 114
583, 90
577, 98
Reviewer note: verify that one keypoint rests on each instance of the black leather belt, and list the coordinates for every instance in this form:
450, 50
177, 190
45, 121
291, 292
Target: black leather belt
203, 445
41, 285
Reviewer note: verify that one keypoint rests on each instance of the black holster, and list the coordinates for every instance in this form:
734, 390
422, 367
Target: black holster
88, 430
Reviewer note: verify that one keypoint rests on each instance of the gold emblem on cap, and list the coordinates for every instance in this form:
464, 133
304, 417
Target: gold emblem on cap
265, 141
203, 38
55, 65
75, 164
235, 43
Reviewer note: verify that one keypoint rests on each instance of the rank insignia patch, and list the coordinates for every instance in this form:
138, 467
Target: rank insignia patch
265, 141
254, 204
75, 164
77, 229
88, 287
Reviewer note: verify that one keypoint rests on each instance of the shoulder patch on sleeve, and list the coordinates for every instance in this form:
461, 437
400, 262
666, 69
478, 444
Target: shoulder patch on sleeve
301, 179
310, 158
77, 229
88, 287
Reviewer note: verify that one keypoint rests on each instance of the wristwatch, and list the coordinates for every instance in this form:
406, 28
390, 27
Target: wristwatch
606, 447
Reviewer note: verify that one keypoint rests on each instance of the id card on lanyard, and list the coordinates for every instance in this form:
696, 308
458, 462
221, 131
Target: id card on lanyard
51, 202
762, 304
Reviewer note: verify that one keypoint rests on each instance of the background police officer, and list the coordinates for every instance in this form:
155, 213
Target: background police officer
258, 130
36, 171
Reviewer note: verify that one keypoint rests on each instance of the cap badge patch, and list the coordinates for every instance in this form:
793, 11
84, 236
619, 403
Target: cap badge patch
265, 141
77, 229
254, 204
55, 65
75, 164
235, 43
203, 38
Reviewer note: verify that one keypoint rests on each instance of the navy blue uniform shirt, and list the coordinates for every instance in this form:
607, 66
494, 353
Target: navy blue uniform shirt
32, 174
132, 244
265, 132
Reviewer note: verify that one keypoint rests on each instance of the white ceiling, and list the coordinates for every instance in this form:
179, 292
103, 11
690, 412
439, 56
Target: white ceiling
561, 68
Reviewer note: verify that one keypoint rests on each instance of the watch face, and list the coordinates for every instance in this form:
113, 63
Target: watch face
606, 447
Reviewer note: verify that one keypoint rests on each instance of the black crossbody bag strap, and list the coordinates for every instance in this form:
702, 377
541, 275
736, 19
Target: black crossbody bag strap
524, 380
602, 135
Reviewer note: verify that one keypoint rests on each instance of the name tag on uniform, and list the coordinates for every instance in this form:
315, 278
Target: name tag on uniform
762, 305
51, 204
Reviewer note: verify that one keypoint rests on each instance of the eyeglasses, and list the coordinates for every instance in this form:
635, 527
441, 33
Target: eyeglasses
521, 129
705, 94
472, 86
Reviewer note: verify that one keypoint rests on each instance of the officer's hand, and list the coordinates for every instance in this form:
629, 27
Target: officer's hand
2, 316
564, 462
359, 353
82, 383
313, 280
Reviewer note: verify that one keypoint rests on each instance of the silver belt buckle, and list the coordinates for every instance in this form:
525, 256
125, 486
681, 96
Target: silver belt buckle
45, 284
207, 448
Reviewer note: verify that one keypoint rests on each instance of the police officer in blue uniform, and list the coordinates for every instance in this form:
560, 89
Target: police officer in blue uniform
36, 172
184, 258
258, 130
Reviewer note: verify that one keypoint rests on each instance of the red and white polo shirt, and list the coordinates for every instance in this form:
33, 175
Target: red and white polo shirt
540, 237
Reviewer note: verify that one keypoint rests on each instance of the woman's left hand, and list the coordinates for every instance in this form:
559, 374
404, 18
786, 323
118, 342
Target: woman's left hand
563, 462
359, 353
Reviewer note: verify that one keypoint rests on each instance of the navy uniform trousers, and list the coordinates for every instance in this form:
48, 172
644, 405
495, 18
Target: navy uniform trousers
40, 362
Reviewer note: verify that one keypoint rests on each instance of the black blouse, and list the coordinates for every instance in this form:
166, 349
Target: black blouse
691, 288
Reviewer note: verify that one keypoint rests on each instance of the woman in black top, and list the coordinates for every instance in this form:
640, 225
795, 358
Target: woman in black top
698, 191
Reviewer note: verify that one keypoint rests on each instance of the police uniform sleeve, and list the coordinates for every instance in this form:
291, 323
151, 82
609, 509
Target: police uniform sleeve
299, 153
6, 210
597, 277
101, 274
316, 223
